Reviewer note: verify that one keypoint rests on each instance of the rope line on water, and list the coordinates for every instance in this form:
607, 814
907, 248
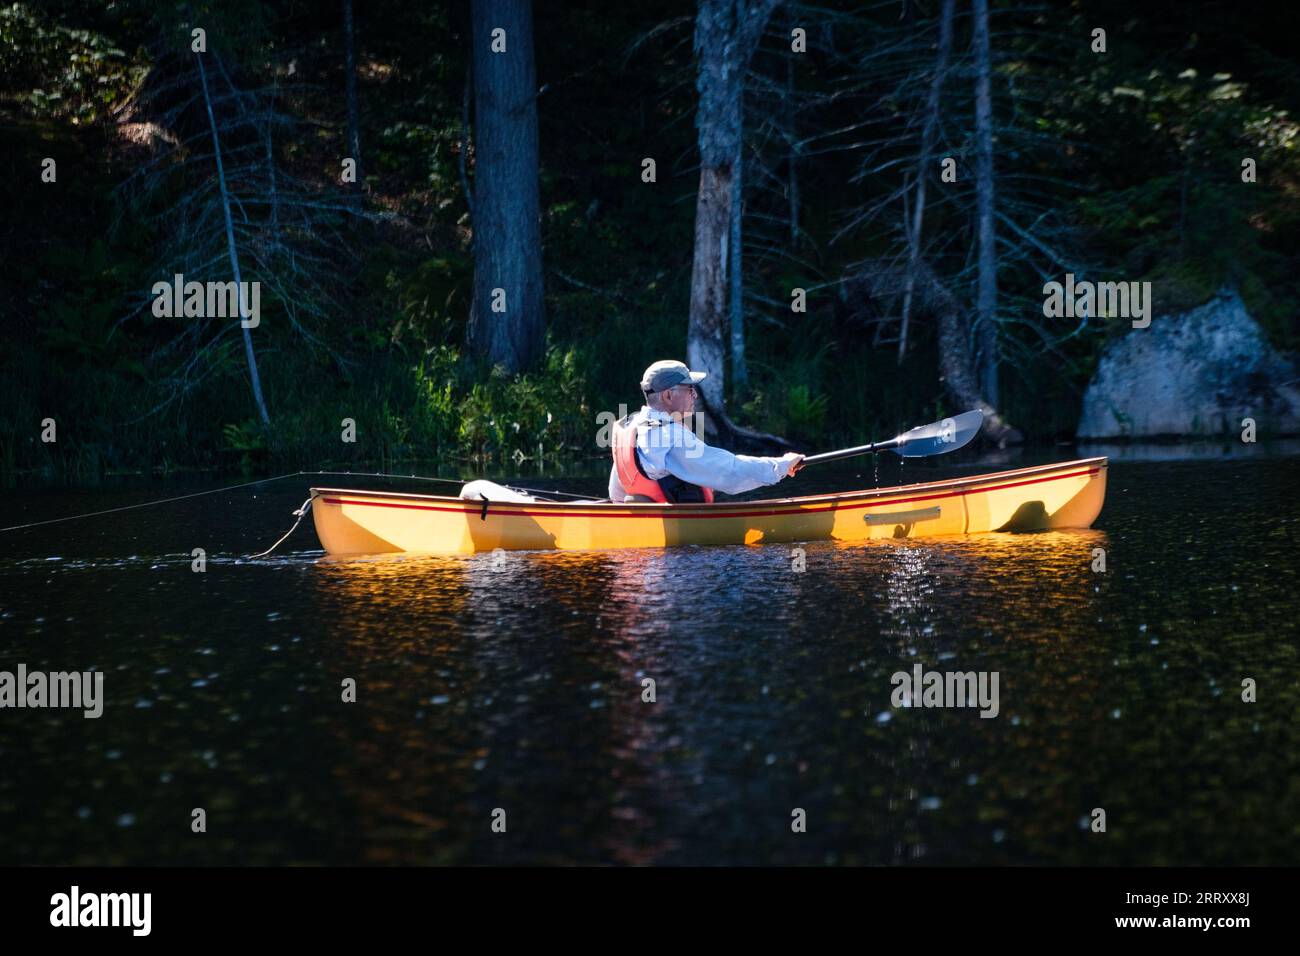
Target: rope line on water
260, 481
145, 504
301, 513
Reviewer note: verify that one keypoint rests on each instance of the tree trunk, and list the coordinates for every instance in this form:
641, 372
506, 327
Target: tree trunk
793, 159
726, 34
704, 350
923, 171
987, 297
506, 225
739, 373
464, 141
255, 380
350, 57
956, 370
273, 227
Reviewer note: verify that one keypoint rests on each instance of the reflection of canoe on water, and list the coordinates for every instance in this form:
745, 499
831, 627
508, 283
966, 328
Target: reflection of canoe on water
1066, 495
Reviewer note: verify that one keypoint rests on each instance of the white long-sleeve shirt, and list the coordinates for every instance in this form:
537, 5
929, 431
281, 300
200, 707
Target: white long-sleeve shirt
672, 448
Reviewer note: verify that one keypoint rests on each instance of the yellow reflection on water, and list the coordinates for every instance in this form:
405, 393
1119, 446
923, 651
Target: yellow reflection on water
429, 612
411, 629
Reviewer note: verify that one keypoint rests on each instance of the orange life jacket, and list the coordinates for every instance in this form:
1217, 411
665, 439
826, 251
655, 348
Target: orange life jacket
630, 473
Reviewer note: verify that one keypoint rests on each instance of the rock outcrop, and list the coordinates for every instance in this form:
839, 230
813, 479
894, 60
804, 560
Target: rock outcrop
1198, 373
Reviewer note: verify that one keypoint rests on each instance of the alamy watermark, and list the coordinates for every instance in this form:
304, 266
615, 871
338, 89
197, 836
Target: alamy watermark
208, 300
690, 436
75, 908
923, 688
82, 690
1085, 300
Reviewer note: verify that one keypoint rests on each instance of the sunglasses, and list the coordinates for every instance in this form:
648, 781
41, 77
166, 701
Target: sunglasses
694, 391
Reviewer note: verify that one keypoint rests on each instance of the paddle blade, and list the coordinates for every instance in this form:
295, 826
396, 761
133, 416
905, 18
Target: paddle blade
939, 438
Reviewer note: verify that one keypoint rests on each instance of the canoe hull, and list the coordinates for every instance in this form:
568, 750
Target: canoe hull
1066, 495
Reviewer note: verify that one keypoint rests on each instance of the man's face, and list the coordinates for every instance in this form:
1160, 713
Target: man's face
678, 401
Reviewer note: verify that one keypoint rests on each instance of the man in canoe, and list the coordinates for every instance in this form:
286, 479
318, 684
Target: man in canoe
657, 458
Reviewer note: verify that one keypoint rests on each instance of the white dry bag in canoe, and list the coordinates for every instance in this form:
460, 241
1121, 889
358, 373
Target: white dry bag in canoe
480, 489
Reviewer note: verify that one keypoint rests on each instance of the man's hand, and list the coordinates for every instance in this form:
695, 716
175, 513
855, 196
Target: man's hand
790, 463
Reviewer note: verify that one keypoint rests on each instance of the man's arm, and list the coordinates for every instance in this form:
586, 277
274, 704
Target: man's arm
716, 468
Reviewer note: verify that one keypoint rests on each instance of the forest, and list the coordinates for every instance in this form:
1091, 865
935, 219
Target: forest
468, 227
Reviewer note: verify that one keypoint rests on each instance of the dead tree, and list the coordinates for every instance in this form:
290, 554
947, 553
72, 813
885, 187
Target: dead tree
222, 205
254, 379
350, 64
986, 324
884, 280
967, 234
923, 169
727, 33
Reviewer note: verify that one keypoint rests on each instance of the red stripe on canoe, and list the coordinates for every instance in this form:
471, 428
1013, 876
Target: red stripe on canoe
476, 510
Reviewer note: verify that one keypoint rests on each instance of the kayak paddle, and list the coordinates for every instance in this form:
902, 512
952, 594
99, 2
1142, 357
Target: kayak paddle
937, 438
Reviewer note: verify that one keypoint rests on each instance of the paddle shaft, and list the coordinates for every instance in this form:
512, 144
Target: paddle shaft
937, 438
850, 452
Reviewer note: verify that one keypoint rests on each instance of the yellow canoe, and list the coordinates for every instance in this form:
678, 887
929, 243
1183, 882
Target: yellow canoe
1065, 495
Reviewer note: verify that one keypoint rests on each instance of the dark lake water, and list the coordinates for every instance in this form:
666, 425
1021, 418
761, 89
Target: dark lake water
521, 689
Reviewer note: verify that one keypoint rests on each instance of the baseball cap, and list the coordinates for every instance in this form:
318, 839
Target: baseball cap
667, 373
